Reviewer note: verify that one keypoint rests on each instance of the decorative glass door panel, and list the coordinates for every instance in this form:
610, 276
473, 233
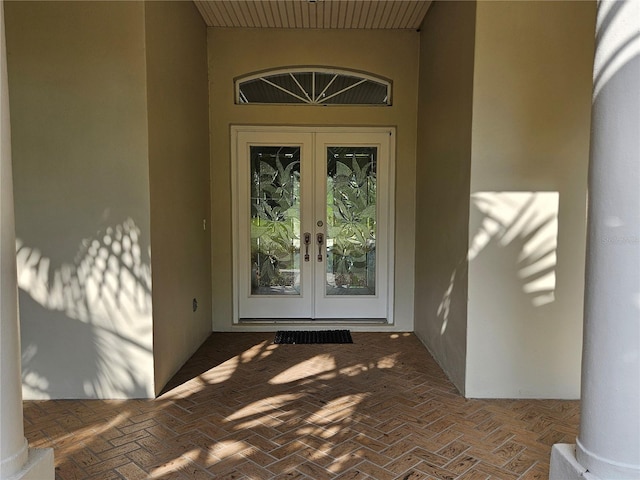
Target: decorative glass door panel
351, 220
312, 223
275, 220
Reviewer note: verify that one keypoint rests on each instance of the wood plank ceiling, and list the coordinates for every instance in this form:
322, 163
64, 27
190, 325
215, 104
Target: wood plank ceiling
349, 14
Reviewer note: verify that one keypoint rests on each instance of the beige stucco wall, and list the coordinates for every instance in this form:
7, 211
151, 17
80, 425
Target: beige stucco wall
81, 176
391, 54
442, 173
531, 111
178, 116
110, 131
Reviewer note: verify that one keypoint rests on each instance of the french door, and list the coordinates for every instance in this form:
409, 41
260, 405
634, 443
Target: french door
312, 223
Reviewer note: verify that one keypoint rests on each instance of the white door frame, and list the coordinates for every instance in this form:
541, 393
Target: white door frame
279, 133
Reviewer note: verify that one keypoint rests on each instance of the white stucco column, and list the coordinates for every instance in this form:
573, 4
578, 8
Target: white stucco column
16, 460
608, 445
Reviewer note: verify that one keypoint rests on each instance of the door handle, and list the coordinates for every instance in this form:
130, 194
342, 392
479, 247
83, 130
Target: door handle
307, 242
320, 241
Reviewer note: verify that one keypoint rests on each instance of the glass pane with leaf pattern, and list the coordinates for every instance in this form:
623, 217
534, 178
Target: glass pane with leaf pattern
351, 220
275, 220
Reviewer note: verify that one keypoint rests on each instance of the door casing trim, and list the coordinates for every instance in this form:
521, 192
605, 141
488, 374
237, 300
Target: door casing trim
235, 130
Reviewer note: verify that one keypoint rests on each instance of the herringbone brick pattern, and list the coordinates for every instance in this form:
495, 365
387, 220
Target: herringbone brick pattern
243, 408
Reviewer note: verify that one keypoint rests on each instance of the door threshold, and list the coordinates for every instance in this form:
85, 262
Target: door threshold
313, 321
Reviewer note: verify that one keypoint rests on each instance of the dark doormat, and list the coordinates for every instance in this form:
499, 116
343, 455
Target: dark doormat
318, 336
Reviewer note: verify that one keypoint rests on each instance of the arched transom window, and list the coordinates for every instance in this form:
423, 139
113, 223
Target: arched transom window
313, 86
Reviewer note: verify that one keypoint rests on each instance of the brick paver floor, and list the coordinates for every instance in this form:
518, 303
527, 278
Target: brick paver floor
244, 408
